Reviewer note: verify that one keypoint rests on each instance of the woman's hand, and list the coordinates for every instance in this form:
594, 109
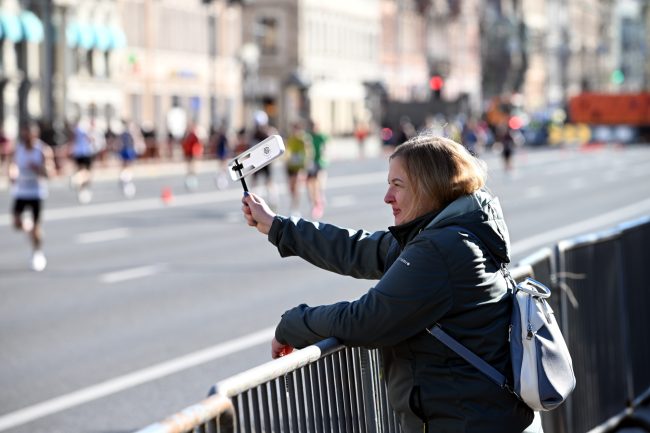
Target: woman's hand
257, 213
278, 349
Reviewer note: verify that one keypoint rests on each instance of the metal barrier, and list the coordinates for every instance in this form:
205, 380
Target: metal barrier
601, 299
607, 332
215, 414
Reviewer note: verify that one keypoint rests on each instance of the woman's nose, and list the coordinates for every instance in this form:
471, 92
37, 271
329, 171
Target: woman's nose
388, 198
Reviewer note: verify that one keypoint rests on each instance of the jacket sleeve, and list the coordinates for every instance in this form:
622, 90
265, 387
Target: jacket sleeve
358, 254
413, 294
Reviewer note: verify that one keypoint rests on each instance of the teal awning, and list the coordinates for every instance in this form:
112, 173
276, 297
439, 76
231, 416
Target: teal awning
118, 38
102, 38
93, 36
80, 35
11, 28
32, 27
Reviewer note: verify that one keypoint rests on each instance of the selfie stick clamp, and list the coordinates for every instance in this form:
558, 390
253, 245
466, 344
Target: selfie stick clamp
237, 167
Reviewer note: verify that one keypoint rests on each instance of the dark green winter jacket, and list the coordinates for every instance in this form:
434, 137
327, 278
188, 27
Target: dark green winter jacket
427, 274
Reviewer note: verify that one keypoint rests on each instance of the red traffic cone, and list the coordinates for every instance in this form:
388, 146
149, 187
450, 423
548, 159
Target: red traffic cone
167, 196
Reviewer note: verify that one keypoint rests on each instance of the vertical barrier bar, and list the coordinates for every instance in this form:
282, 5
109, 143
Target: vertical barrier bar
340, 405
293, 410
283, 385
344, 381
309, 398
265, 412
623, 323
325, 401
275, 404
300, 400
367, 389
355, 390
246, 412
255, 413
316, 396
333, 396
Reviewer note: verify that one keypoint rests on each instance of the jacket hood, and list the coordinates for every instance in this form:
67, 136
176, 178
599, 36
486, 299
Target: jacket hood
481, 214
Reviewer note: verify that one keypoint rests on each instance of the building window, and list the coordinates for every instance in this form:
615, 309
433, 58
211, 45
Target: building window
266, 35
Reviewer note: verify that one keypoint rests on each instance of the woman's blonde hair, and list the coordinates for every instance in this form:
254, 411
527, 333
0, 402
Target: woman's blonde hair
440, 169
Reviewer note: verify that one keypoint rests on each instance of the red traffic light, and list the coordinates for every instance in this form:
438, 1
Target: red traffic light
436, 82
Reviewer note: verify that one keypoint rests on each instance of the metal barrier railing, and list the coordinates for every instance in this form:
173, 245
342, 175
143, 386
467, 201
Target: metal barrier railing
328, 387
215, 414
607, 333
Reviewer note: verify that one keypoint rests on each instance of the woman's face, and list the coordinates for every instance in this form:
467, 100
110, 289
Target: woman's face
401, 194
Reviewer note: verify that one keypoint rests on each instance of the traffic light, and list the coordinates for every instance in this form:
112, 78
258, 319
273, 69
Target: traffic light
435, 84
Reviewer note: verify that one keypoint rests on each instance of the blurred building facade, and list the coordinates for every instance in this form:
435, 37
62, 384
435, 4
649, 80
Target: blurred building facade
182, 64
404, 57
164, 63
310, 59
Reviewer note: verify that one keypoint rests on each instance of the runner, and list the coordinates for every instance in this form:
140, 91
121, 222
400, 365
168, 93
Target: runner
31, 164
82, 152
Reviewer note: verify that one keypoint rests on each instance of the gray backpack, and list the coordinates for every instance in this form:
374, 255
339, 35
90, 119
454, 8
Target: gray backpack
541, 363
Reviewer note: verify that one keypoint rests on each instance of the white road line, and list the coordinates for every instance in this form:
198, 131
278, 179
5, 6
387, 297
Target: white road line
118, 384
103, 235
343, 201
584, 226
577, 183
534, 192
131, 274
194, 359
104, 209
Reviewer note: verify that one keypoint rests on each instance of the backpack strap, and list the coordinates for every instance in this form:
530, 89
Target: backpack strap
492, 373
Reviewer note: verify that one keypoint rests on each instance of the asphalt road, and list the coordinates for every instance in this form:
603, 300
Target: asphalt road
144, 305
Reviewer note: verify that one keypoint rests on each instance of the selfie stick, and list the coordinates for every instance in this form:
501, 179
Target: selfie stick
237, 167
255, 158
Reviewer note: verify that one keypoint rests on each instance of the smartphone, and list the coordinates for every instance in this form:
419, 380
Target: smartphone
255, 158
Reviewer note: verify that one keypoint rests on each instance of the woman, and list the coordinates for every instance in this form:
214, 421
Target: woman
429, 271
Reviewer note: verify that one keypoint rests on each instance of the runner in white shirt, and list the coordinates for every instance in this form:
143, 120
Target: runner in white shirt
31, 164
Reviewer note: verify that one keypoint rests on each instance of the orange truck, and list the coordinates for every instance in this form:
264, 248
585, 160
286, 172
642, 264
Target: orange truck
630, 109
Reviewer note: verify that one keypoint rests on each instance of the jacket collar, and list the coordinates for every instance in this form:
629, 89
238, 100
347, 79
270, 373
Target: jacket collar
404, 233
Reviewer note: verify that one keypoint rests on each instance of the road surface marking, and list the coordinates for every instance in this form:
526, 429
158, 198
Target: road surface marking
343, 201
103, 235
534, 192
118, 384
121, 383
131, 274
584, 226
211, 198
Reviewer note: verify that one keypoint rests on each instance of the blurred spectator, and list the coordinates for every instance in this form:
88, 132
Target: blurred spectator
298, 148
361, 132
261, 132
218, 142
317, 174
6, 149
472, 137
192, 150
150, 143
405, 131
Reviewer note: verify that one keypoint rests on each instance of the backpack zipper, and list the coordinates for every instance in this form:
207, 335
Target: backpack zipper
529, 336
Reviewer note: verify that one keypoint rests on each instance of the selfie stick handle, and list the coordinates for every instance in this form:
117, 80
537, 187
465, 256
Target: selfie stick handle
237, 167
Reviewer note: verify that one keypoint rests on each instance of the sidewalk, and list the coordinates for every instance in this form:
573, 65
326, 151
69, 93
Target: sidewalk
338, 148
